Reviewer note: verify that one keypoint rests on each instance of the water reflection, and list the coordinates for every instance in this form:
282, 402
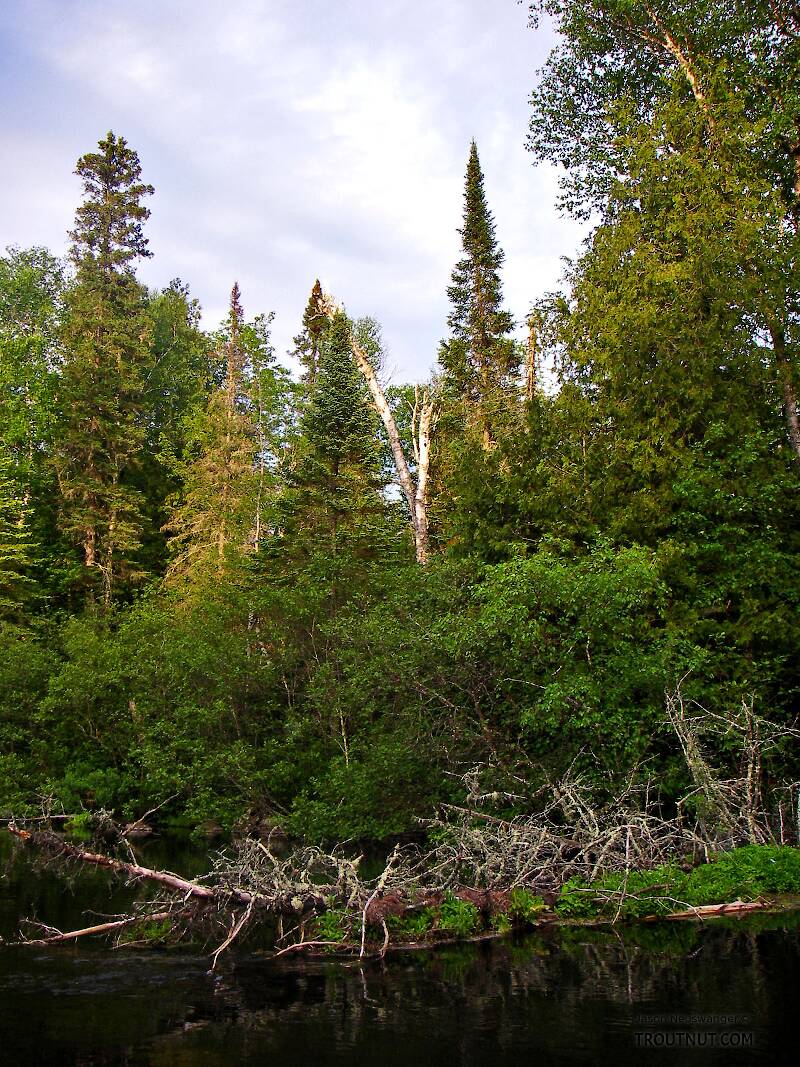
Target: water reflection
571, 997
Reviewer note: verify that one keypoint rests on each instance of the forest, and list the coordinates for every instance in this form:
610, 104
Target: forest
244, 596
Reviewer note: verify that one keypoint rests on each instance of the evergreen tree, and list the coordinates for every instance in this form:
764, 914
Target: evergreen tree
481, 359
177, 387
308, 343
334, 504
213, 517
31, 305
106, 340
16, 550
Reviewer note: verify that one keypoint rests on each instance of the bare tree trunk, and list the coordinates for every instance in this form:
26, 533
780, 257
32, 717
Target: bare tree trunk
665, 40
530, 360
385, 412
416, 495
54, 844
422, 449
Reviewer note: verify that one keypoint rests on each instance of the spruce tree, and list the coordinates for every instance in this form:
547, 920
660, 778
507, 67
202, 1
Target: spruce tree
480, 359
334, 504
16, 549
106, 341
308, 342
212, 517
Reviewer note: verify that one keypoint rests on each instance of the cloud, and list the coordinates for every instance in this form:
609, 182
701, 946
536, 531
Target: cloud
288, 141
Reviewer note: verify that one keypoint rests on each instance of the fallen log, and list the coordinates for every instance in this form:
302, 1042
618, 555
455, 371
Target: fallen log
734, 907
56, 846
253, 883
100, 928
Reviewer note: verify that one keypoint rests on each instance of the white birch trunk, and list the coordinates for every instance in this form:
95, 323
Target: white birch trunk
415, 492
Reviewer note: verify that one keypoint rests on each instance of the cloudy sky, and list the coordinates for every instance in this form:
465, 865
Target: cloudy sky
289, 139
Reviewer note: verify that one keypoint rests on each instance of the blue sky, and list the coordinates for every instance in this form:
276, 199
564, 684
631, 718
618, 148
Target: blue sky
289, 140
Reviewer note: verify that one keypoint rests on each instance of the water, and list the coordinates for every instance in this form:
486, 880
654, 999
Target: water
571, 997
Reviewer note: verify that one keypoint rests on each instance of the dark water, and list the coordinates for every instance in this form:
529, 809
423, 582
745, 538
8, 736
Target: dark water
717, 994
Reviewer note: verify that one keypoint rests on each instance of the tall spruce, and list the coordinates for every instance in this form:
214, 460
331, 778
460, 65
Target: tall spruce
480, 358
106, 341
16, 549
308, 343
212, 518
334, 502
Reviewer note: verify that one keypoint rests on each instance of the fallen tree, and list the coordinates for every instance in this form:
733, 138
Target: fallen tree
582, 854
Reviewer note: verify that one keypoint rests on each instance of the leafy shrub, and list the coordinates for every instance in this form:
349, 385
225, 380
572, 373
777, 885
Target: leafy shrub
333, 925
458, 917
524, 905
745, 873
576, 900
414, 925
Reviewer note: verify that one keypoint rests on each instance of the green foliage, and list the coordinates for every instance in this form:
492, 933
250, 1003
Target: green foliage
500, 922
635, 526
413, 926
106, 341
458, 917
575, 900
480, 358
308, 343
524, 906
333, 925
745, 873
154, 933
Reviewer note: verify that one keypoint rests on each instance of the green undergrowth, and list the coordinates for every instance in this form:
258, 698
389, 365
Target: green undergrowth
747, 874
147, 932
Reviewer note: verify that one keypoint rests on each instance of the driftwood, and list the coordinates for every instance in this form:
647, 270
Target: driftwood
735, 907
56, 937
57, 846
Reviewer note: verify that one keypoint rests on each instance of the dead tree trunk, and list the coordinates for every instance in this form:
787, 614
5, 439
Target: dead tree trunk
56, 845
423, 421
422, 428
414, 490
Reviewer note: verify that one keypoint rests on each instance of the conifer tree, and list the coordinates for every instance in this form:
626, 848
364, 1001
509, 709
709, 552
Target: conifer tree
106, 340
31, 297
213, 516
334, 502
480, 359
16, 549
308, 342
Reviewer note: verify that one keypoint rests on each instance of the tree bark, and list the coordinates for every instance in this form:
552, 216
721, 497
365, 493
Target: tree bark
422, 447
416, 494
50, 842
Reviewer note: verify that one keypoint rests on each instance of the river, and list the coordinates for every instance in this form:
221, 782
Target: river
721, 993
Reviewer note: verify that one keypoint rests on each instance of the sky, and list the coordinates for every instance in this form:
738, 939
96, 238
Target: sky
289, 140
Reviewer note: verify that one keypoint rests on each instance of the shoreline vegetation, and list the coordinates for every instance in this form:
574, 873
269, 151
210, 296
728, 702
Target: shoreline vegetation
580, 855
294, 900
536, 616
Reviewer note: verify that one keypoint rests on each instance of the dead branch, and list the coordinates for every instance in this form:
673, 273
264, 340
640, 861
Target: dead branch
100, 928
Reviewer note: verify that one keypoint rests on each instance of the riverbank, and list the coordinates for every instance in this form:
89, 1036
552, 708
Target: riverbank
309, 902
